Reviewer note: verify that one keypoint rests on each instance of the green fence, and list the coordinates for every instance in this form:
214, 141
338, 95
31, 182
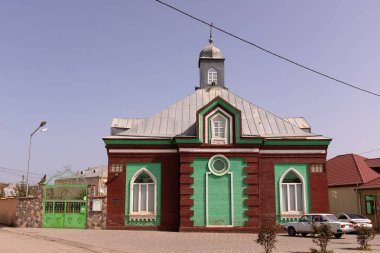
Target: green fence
65, 201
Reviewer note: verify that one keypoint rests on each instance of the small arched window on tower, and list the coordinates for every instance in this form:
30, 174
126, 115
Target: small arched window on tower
212, 76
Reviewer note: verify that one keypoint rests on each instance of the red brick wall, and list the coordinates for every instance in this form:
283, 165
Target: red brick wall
317, 184
176, 200
169, 190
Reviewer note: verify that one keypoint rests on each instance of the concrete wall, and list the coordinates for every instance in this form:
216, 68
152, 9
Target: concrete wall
8, 211
343, 200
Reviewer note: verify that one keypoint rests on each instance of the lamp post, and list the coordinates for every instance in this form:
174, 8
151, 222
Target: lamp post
30, 146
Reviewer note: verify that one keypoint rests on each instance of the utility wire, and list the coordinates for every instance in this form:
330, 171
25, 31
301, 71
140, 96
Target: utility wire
8, 169
268, 51
370, 151
11, 129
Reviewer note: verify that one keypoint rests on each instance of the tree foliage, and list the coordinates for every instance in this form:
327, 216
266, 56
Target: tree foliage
20, 190
267, 238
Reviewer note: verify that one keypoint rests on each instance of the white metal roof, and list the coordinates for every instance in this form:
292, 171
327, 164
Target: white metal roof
179, 119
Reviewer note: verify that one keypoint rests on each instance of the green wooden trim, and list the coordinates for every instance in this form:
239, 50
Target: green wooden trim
229, 108
187, 140
251, 141
298, 142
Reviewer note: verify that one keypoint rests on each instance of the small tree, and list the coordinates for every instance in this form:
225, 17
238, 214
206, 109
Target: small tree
20, 190
267, 238
325, 235
364, 235
2, 193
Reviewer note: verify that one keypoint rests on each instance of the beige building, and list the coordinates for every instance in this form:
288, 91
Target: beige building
354, 186
95, 177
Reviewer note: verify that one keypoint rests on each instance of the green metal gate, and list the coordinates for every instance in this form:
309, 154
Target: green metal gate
65, 201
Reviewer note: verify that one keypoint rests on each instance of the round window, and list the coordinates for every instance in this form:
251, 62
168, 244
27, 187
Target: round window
219, 165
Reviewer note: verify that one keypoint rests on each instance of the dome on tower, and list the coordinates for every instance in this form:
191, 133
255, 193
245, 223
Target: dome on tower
210, 51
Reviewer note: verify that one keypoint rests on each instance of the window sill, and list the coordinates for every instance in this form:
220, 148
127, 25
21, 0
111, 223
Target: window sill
142, 217
218, 141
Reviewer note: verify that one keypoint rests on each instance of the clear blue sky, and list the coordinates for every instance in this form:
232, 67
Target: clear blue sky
78, 64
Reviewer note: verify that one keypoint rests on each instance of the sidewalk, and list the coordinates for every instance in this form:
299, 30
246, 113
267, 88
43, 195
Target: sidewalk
111, 241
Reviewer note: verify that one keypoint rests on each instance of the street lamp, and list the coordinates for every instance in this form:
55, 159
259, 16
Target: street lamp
30, 146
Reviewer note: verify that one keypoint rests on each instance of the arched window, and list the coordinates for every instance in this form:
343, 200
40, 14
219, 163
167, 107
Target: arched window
292, 192
218, 129
143, 194
212, 76
219, 126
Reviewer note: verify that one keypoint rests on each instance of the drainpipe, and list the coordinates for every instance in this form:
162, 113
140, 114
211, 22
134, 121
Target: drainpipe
358, 199
375, 205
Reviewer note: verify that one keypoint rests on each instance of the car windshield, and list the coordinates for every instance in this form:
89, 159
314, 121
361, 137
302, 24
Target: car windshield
355, 216
331, 217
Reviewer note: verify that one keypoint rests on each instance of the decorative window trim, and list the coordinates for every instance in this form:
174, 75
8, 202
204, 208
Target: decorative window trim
219, 158
145, 215
228, 126
283, 212
212, 76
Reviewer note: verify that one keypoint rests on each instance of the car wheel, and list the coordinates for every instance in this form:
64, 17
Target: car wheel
337, 236
304, 234
291, 231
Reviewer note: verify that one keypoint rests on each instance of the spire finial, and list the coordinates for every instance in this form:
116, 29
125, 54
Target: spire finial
211, 40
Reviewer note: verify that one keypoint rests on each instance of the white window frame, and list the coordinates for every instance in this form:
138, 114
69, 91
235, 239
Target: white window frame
212, 76
284, 212
142, 215
227, 130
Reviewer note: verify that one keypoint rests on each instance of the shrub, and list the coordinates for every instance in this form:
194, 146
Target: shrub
267, 238
325, 235
364, 235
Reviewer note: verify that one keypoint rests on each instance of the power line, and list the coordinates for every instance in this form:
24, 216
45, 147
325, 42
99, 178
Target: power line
20, 171
268, 51
370, 151
11, 129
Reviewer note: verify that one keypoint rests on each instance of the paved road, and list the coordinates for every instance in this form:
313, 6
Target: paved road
35, 240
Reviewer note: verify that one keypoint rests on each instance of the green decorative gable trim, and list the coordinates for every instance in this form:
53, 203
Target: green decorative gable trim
229, 108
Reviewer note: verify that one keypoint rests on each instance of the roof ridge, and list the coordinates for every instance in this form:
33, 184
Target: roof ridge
371, 173
357, 167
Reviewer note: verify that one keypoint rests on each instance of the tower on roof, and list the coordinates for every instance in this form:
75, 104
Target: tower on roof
211, 65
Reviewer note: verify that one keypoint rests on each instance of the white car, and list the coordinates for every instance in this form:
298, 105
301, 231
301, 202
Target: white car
303, 225
355, 219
